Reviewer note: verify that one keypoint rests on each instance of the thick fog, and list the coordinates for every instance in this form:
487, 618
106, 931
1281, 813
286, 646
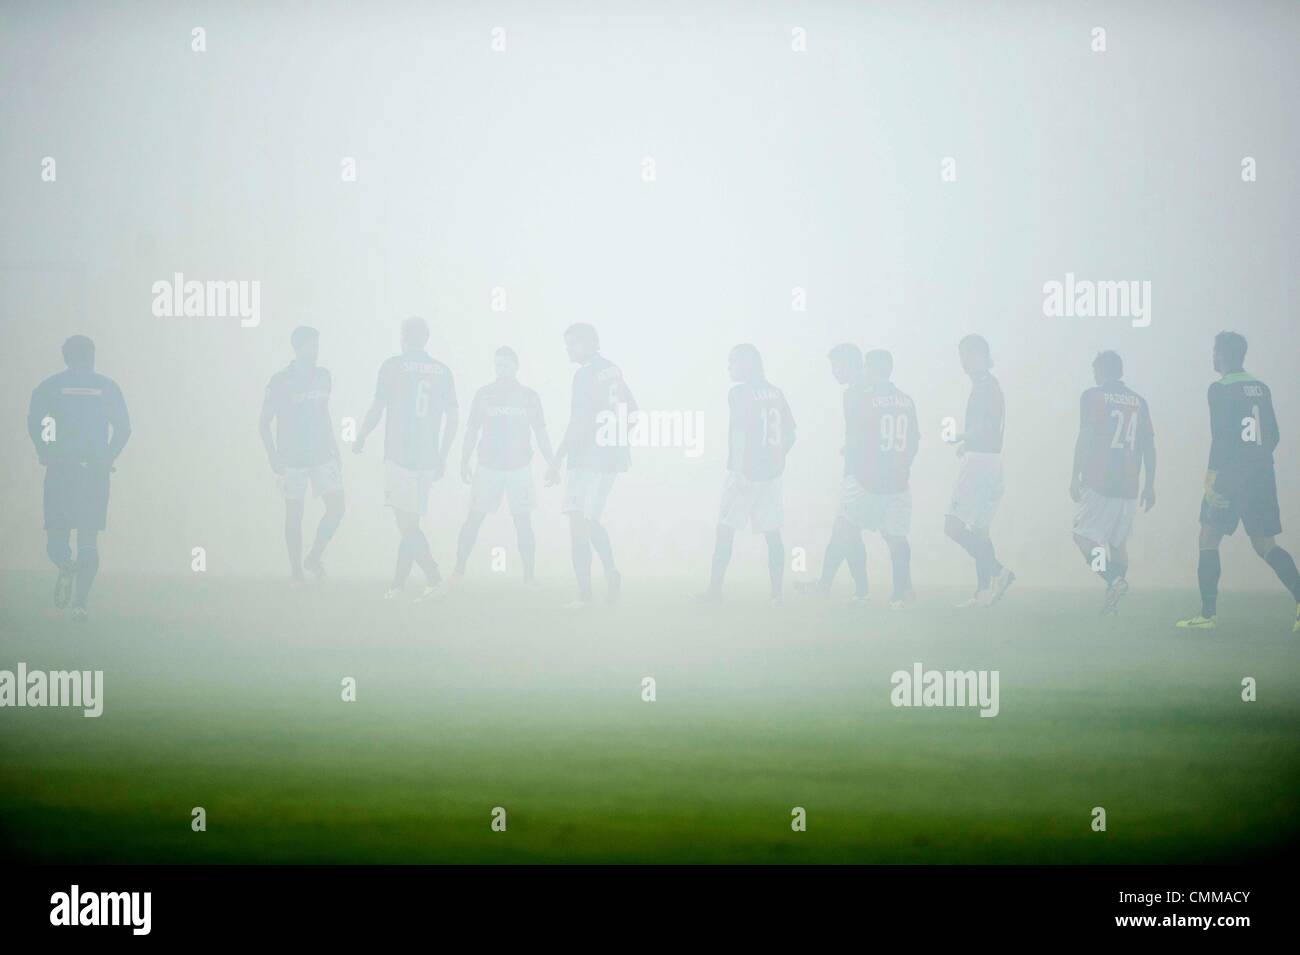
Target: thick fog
683, 175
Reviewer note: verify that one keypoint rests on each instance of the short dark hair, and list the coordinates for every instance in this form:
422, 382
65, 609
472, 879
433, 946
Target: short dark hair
301, 334
846, 351
509, 352
977, 343
584, 331
1109, 365
880, 360
1232, 348
79, 351
416, 329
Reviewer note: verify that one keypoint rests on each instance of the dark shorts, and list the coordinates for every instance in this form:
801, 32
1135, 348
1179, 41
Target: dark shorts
76, 496
1251, 501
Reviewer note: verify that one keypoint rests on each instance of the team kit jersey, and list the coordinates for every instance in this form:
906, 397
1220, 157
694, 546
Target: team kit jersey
598, 449
979, 482
304, 435
1243, 435
79, 423
760, 434
507, 412
881, 437
417, 392
1116, 425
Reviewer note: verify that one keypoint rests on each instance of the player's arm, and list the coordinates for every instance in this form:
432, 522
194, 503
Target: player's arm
450, 424
577, 411
120, 422
37, 410
1082, 447
1147, 448
539, 429
1268, 424
473, 425
264, 429
1222, 433
374, 414
334, 438
914, 434
788, 433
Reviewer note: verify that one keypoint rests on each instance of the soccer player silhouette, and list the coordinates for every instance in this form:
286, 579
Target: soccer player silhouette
1116, 444
601, 398
503, 418
302, 449
79, 425
1240, 484
416, 399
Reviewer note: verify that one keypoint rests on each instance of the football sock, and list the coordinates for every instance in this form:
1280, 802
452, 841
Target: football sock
405, 558
600, 544
831, 561
775, 561
465, 542
1284, 566
1118, 570
58, 545
1207, 576
582, 564
527, 543
329, 523
293, 539
855, 555
424, 557
87, 568
900, 555
721, 557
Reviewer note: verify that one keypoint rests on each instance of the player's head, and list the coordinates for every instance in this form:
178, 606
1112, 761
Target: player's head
506, 362
879, 365
745, 364
846, 362
79, 352
415, 333
306, 344
581, 341
974, 353
1229, 352
1107, 367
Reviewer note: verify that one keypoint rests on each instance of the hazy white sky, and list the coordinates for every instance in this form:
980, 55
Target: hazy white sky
523, 170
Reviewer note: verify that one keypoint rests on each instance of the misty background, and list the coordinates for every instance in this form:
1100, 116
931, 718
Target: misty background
522, 170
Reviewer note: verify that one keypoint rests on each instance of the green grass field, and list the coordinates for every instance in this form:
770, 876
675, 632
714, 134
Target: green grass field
225, 694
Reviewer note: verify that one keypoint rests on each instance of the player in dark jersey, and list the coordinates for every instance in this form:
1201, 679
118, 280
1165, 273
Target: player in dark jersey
596, 454
302, 449
881, 437
760, 434
507, 415
416, 398
78, 423
979, 483
1240, 485
1116, 444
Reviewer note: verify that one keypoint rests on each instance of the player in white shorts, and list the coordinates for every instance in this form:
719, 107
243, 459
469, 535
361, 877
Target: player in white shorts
594, 459
1116, 443
302, 449
502, 420
979, 483
760, 435
881, 438
416, 399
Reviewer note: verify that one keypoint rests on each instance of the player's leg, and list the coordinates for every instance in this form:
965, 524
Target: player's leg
600, 543
1207, 578
775, 564
423, 556
87, 567
58, 547
465, 540
900, 558
971, 543
406, 523
329, 523
1282, 562
527, 543
855, 554
723, 542
580, 544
